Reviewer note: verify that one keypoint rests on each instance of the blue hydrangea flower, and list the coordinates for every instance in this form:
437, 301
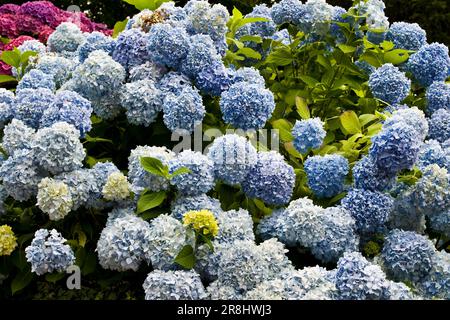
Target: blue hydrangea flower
409, 36
147, 71
202, 18
141, 179
183, 204
369, 209
271, 179
32, 45
71, 108
261, 28
326, 174
6, 105
95, 41
199, 180
124, 244
440, 125
20, 176
358, 279
438, 96
200, 55
217, 291
308, 134
174, 285
431, 194
429, 64
17, 136
173, 82
436, 285
285, 11
59, 68
48, 252
167, 237
66, 38
335, 29
102, 170
131, 48
314, 17
58, 148
389, 84
142, 102
373, 10
234, 225
247, 106
167, 44
406, 255
395, 148
36, 79
233, 156
432, 152
405, 215
282, 36
367, 175
441, 223
365, 67
250, 75
83, 186
412, 117
185, 111
214, 79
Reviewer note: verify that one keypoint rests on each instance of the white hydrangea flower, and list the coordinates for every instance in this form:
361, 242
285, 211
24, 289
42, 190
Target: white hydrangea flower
117, 187
54, 198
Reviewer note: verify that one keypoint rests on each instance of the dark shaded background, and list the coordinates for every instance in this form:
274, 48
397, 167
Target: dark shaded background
432, 15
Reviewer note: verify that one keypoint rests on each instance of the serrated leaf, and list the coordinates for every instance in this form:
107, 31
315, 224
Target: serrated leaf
186, 257
150, 200
350, 122
280, 57
154, 166
367, 118
302, 108
11, 58
249, 53
346, 48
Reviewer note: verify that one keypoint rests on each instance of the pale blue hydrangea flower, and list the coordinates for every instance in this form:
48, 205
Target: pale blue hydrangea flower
204, 18
267, 290
250, 75
409, 36
261, 28
32, 45
58, 67
432, 152
20, 176
183, 204
6, 105
199, 180
54, 198
167, 44
148, 70
142, 102
282, 36
440, 125
174, 285
441, 223
436, 285
217, 291
141, 179
399, 291
167, 237
131, 48
233, 156
48, 252
66, 38
438, 96
308, 134
173, 82
429, 64
95, 41
36, 79
71, 108
335, 29
102, 170
431, 194
58, 148
367, 175
201, 53
412, 117
358, 279
124, 244
373, 10
369, 209
271, 179
234, 225
83, 186
185, 111
315, 17
395, 148
247, 106
389, 84
17, 136
407, 256
285, 11
214, 79
326, 174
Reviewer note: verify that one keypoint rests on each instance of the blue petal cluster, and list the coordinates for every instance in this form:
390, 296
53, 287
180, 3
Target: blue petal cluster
308, 134
440, 125
286, 11
436, 285
131, 48
66, 38
17, 136
183, 204
367, 175
59, 68
409, 36
202, 18
234, 225
438, 96
95, 41
432, 152
148, 70
389, 84
36, 79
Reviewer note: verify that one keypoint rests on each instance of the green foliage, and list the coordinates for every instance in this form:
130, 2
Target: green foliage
186, 257
146, 4
17, 60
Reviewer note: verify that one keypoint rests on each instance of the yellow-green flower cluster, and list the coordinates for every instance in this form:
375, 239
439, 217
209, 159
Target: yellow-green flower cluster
202, 221
7, 240
117, 187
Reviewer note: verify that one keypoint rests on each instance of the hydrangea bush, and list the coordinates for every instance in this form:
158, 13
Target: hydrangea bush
300, 151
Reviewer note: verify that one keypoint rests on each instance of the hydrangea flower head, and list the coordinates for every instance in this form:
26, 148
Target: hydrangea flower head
131, 48
48, 252
66, 38
432, 152
438, 96
36, 79
6, 104
183, 204
440, 223
83, 186
17, 136
436, 285
308, 134
58, 67
54, 198
271, 179
389, 84
95, 41
409, 36
32, 45
148, 70
285, 11
326, 174
201, 54
8, 241
117, 187
202, 222
412, 117
202, 18
440, 125
214, 79
315, 17
250, 75
234, 225
367, 175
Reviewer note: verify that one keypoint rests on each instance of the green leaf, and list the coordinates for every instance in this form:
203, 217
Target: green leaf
146, 4
280, 57
90, 263
255, 39
207, 241
350, 122
261, 206
11, 58
396, 57
245, 21
367, 118
179, 171
155, 166
119, 27
97, 139
310, 81
249, 53
54, 277
346, 48
186, 257
4, 40
285, 128
21, 280
5, 78
150, 200
302, 108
